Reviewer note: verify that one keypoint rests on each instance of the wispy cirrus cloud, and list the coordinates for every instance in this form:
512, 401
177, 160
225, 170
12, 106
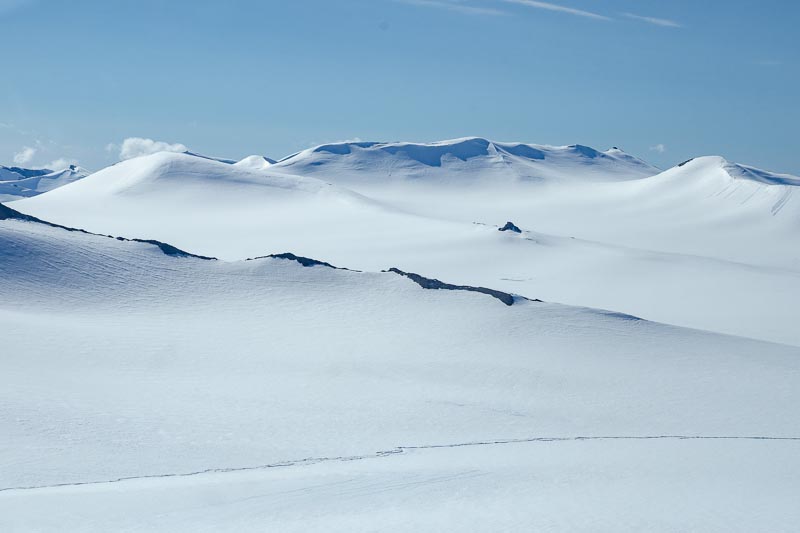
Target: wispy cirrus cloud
470, 8
666, 23
549, 6
455, 5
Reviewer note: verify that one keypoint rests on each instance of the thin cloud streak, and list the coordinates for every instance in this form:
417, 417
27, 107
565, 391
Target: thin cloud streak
666, 23
462, 7
558, 8
6, 6
455, 6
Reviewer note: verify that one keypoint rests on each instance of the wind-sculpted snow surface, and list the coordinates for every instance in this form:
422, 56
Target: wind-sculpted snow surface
164, 393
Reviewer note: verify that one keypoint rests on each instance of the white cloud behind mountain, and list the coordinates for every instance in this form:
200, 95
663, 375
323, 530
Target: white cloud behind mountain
25, 155
139, 146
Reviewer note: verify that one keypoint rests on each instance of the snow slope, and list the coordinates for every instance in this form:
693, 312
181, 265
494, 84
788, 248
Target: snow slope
16, 183
691, 246
707, 206
203, 204
265, 395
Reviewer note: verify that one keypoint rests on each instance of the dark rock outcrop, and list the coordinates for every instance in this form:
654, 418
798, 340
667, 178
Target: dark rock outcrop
510, 226
305, 261
429, 283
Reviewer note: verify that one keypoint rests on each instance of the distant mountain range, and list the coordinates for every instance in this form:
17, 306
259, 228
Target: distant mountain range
16, 182
470, 159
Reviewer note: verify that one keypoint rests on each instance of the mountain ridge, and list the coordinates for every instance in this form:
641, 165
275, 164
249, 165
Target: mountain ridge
470, 155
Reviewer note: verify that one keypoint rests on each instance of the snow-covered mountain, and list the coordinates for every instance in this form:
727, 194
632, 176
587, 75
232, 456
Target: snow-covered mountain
18, 173
152, 380
461, 160
16, 183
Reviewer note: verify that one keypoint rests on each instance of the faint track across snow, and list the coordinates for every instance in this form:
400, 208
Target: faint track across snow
397, 451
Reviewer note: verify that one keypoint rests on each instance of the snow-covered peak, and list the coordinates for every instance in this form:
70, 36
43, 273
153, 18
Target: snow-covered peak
71, 169
255, 162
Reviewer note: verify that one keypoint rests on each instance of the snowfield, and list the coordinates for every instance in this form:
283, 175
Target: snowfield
202, 381
562, 485
703, 245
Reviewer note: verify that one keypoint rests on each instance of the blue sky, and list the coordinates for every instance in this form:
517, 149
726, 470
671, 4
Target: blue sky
663, 80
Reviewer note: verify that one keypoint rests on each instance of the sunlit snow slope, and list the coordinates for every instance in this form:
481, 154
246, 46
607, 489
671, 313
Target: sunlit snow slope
160, 391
